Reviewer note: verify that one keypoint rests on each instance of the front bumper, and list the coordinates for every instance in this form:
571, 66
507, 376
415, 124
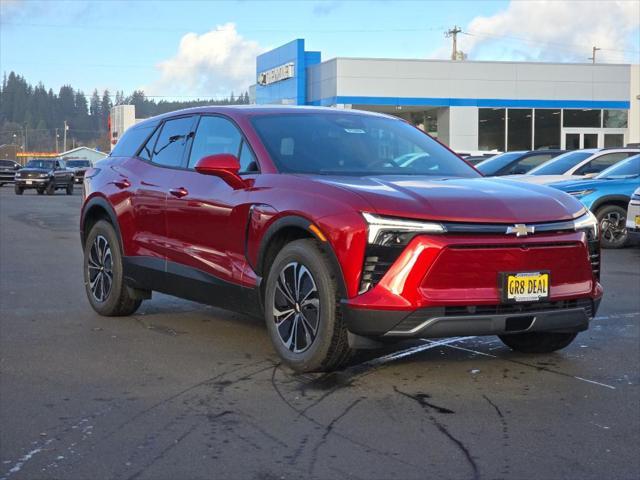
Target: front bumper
31, 182
436, 322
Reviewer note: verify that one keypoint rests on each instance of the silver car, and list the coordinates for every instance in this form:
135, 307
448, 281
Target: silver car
633, 216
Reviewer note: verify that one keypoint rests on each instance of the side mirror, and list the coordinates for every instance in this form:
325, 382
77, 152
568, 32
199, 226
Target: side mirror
17, 167
223, 165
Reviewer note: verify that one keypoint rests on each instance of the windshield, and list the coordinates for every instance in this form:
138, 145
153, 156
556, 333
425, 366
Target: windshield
78, 163
562, 163
354, 144
45, 164
493, 164
628, 168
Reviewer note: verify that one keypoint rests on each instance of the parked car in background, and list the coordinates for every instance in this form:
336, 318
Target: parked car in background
515, 163
342, 229
78, 167
607, 196
633, 216
44, 176
8, 169
571, 167
476, 159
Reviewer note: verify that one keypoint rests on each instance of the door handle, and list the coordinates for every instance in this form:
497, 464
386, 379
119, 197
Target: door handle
179, 192
124, 183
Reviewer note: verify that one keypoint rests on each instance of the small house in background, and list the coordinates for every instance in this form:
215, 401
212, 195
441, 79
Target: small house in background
83, 153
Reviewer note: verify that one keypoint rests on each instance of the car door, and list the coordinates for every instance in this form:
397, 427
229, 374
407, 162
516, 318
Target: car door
206, 217
148, 177
59, 173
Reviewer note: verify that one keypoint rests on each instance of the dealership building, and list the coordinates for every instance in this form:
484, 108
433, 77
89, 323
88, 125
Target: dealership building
468, 105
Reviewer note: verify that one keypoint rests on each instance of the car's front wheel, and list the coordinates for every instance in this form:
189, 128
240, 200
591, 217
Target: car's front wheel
51, 188
613, 230
70, 188
103, 273
18, 189
302, 309
538, 342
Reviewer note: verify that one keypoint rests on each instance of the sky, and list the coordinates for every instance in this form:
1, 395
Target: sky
188, 49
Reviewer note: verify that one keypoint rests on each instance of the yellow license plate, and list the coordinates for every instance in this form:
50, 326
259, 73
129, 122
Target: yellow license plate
525, 287
637, 220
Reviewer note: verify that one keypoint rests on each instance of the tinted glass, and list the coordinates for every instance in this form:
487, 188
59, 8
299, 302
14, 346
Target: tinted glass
131, 140
524, 165
561, 164
491, 128
147, 149
581, 118
627, 168
48, 164
603, 161
169, 148
519, 131
214, 135
354, 144
247, 160
494, 164
613, 140
615, 118
547, 128
6, 163
78, 163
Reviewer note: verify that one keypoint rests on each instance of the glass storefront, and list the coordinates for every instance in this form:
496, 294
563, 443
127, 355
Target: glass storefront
547, 128
519, 121
491, 129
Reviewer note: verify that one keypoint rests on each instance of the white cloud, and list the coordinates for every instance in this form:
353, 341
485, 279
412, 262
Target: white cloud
214, 63
554, 30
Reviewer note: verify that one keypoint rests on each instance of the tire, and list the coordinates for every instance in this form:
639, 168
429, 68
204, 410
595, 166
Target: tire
70, 188
51, 188
538, 342
40, 191
613, 231
102, 248
19, 190
328, 348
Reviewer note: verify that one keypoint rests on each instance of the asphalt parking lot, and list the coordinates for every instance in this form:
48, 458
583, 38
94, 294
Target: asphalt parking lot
185, 391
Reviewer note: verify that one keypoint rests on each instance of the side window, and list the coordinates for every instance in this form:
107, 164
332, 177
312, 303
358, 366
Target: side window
58, 165
527, 163
214, 135
169, 149
248, 162
147, 149
603, 161
130, 142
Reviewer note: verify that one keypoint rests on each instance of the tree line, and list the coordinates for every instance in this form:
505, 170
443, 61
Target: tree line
34, 116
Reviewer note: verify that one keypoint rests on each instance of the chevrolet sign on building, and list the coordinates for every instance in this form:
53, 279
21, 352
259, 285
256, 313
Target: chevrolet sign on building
276, 74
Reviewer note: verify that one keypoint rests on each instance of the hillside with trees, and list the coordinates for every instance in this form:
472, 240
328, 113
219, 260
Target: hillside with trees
32, 116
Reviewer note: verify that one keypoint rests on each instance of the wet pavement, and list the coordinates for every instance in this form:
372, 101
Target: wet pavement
182, 390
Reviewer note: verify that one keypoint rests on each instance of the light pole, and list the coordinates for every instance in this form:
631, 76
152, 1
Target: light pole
57, 138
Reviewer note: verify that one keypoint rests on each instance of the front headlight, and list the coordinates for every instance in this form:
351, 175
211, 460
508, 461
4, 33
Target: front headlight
389, 231
587, 222
43, 175
581, 193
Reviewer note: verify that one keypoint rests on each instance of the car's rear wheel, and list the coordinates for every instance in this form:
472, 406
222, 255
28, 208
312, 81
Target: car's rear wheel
70, 188
103, 273
613, 230
302, 309
19, 190
51, 188
538, 342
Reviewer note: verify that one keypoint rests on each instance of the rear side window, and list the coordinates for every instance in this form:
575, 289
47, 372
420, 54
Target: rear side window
214, 135
147, 149
130, 142
169, 149
603, 161
248, 162
524, 165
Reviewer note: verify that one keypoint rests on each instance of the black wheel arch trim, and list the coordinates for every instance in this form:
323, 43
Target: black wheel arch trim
102, 203
302, 223
603, 201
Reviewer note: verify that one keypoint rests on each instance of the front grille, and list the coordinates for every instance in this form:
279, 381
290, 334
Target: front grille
585, 303
30, 175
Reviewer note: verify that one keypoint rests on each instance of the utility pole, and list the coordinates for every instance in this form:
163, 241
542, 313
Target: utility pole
593, 54
64, 137
25, 137
453, 33
57, 136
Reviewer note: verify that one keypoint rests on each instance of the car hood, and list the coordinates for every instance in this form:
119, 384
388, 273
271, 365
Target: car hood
622, 184
34, 170
543, 179
484, 200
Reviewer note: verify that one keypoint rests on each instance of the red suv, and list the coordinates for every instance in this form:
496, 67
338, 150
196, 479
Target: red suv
343, 229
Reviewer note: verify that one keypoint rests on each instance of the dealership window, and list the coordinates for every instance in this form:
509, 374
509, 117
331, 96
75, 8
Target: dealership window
519, 131
547, 128
582, 118
613, 140
491, 128
615, 118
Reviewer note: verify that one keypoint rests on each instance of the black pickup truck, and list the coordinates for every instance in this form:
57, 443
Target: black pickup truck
8, 169
44, 176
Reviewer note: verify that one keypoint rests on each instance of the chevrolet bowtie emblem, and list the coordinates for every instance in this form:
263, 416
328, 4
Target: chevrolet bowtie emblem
521, 230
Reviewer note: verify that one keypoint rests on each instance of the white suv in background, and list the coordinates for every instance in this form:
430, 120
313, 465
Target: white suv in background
633, 216
576, 164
